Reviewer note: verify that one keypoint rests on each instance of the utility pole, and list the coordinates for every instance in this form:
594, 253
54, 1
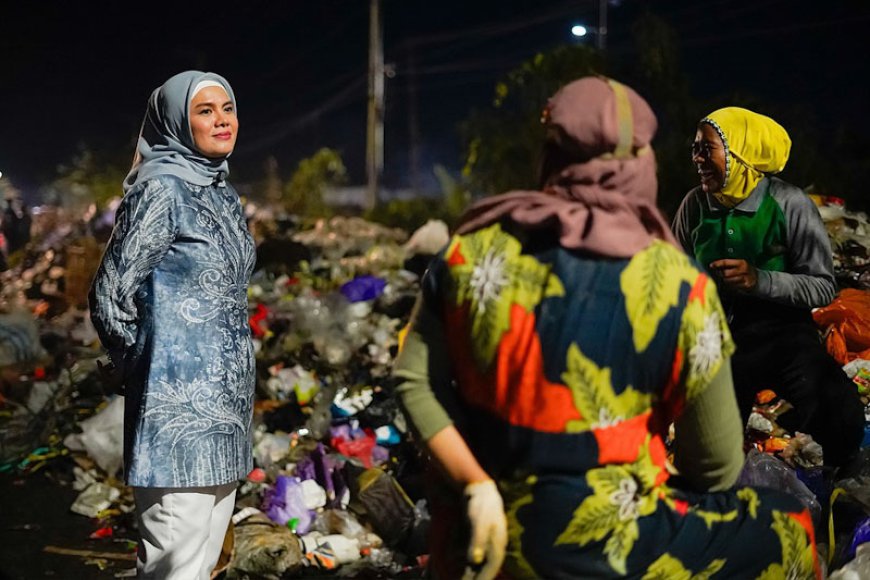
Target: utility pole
602, 24
413, 120
375, 132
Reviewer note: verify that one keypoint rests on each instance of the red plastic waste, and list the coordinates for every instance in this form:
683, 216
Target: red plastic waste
105, 532
846, 321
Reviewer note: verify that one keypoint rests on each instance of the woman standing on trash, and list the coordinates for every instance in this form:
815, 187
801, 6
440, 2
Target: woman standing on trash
170, 304
765, 245
575, 332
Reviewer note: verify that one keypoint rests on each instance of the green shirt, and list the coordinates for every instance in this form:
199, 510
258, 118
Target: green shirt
777, 229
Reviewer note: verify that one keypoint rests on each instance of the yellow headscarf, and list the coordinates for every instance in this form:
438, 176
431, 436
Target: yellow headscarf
755, 145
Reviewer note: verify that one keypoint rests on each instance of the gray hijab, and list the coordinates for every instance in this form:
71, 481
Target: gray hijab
165, 144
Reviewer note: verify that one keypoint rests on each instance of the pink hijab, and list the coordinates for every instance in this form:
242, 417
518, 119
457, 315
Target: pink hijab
602, 200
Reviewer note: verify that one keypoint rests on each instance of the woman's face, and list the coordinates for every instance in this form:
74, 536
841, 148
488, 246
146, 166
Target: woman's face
708, 155
213, 122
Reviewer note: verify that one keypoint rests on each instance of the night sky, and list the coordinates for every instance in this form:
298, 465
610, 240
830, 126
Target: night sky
76, 74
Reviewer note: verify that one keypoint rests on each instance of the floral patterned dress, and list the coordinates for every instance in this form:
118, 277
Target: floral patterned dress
170, 304
569, 370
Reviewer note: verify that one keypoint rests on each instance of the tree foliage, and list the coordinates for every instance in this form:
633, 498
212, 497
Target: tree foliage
304, 193
502, 143
654, 70
87, 178
410, 214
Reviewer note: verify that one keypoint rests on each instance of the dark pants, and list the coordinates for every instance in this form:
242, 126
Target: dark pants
790, 359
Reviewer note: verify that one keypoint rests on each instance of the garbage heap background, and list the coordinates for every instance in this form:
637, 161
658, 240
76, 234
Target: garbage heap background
339, 486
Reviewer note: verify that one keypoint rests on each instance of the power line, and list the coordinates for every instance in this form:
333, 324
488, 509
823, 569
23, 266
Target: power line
481, 33
337, 101
774, 30
347, 95
494, 29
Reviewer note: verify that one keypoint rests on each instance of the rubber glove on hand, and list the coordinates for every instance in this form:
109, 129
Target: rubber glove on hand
488, 530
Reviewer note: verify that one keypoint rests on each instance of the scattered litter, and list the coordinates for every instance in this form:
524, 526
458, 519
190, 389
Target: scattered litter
94, 499
126, 556
335, 473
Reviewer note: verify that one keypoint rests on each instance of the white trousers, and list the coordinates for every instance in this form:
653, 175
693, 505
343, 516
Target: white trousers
181, 530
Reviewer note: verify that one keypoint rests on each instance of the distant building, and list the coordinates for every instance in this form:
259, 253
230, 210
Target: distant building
355, 195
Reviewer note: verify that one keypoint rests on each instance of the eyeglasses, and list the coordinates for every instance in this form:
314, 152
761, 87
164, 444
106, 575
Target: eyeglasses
701, 149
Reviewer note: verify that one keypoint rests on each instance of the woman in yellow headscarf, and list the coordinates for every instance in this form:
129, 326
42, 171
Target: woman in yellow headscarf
753, 145
764, 243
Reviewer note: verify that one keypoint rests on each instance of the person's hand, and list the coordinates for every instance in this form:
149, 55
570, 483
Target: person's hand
736, 274
111, 375
488, 530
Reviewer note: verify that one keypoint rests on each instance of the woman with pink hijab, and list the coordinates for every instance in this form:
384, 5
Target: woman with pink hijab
557, 337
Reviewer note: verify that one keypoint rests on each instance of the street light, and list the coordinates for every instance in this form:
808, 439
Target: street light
580, 32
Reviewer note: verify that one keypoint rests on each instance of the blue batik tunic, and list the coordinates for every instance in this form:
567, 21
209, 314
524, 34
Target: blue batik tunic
170, 304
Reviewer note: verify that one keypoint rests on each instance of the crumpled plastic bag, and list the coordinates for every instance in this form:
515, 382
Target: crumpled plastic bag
94, 499
102, 437
763, 470
376, 497
857, 569
19, 339
361, 444
296, 380
331, 550
285, 502
856, 482
334, 521
325, 469
860, 536
848, 320
270, 448
41, 394
803, 451
314, 495
363, 288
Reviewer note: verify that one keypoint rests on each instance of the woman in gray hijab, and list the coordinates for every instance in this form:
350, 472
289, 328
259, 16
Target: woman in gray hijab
170, 304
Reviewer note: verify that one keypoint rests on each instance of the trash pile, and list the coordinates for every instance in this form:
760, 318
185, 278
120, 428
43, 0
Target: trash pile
850, 241
837, 499
337, 489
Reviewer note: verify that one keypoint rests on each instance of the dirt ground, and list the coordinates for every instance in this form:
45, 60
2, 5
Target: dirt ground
35, 514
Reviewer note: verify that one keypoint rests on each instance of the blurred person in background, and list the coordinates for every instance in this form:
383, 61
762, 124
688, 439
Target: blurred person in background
16, 223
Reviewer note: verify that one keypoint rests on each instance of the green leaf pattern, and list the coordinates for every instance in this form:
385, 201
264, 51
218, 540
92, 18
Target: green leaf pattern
594, 396
621, 495
651, 286
668, 567
706, 340
798, 562
750, 496
494, 277
516, 496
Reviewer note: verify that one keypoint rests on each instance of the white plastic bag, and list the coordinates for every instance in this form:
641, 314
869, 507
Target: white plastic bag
102, 437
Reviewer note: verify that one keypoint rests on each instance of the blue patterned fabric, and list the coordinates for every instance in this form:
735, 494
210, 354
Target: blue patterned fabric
169, 302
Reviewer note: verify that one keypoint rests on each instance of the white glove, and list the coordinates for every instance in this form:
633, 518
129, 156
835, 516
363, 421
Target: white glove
488, 530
